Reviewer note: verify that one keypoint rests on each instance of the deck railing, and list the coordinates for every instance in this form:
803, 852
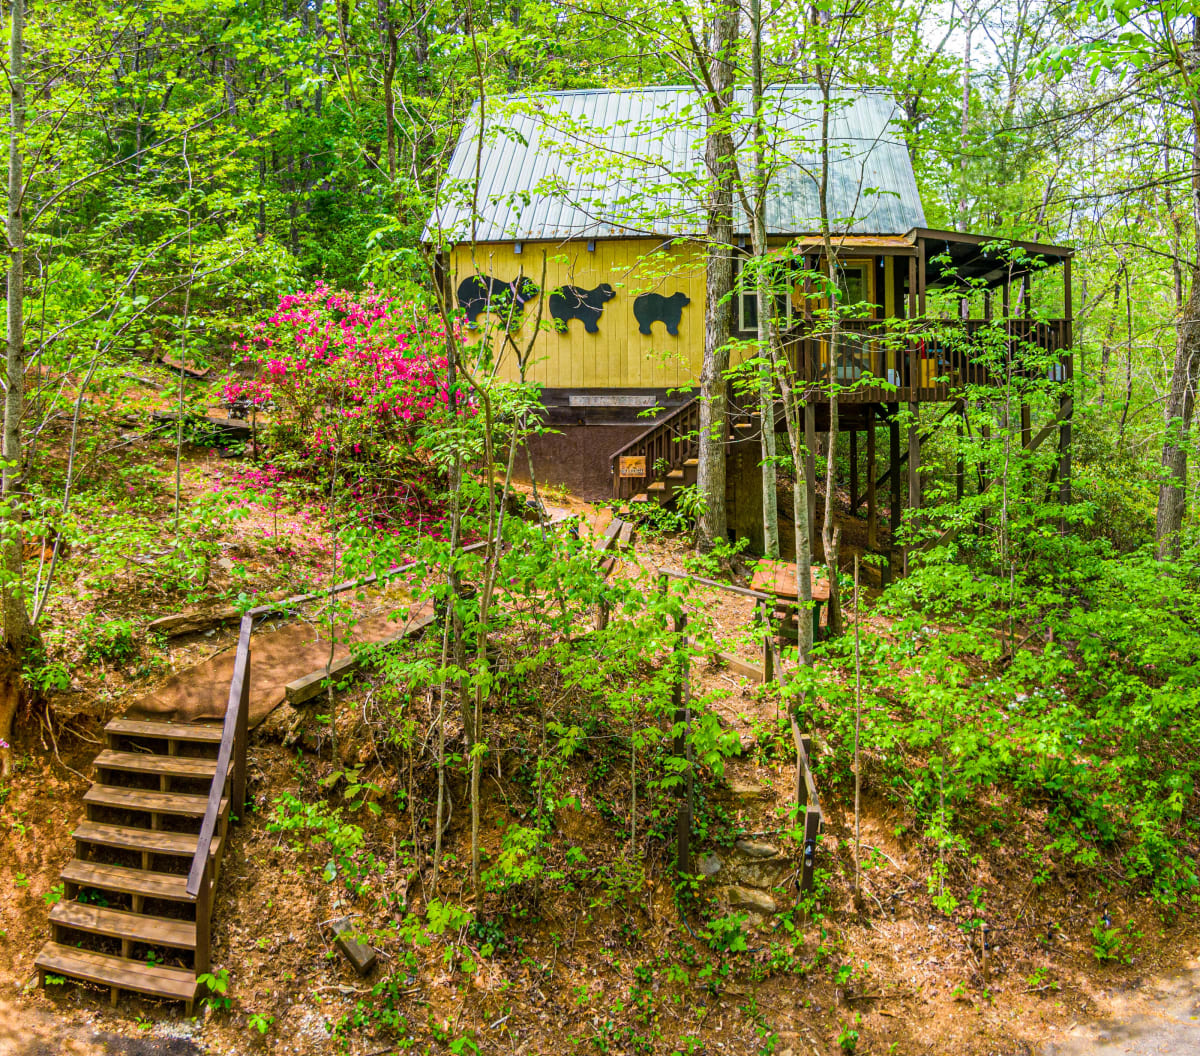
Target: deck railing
931, 361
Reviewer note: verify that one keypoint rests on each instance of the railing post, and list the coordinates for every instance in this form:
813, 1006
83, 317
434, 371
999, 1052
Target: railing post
240, 736
203, 958
683, 747
768, 651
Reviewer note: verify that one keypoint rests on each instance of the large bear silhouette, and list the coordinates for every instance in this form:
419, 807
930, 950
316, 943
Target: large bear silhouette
482, 293
655, 308
572, 302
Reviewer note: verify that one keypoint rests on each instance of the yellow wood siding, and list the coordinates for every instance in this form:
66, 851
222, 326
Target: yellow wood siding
618, 356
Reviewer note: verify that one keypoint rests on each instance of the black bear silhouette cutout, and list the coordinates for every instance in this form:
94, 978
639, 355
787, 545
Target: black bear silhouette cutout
481, 293
655, 308
572, 302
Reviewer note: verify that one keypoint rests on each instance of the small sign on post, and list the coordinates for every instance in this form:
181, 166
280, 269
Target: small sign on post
632, 466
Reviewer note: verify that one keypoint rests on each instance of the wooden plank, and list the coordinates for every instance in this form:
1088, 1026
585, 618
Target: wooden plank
99, 920
357, 953
305, 688
177, 984
810, 784
741, 667
778, 580
610, 535
166, 886
118, 797
129, 838
169, 765
174, 731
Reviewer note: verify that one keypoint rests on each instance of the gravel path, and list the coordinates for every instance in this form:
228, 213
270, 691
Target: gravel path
1160, 1016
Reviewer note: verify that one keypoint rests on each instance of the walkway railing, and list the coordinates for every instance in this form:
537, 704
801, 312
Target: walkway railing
806, 795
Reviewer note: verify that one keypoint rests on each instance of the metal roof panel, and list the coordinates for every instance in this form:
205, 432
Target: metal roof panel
604, 163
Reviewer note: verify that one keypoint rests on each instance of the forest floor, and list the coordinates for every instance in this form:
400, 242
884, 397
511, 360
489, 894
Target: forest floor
610, 968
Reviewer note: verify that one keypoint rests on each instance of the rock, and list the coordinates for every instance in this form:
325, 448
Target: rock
278, 724
753, 849
746, 791
708, 864
749, 898
761, 872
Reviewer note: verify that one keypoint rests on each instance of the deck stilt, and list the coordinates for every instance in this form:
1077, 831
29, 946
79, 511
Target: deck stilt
810, 468
872, 507
914, 468
854, 500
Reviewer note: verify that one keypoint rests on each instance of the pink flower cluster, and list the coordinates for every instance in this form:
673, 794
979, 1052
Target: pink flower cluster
348, 379
343, 370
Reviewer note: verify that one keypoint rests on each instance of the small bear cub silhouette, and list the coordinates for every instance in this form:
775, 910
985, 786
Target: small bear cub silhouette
655, 308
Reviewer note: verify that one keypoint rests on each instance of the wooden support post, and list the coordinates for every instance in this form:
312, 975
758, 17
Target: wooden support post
872, 506
1064, 450
959, 466
810, 470
894, 463
203, 955
768, 650
358, 953
683, 821
853, 472
985, 434
914, 468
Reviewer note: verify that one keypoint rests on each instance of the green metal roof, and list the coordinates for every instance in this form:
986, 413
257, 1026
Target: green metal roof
628, 162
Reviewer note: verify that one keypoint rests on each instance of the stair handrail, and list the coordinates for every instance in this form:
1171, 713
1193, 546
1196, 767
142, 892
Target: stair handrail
232, 753
681, 409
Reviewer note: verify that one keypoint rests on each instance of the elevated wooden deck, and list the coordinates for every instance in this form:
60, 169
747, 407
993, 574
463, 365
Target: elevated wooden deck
930, 362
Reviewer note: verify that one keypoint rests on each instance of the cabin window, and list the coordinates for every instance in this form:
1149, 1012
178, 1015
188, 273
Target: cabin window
747, 295
853, 284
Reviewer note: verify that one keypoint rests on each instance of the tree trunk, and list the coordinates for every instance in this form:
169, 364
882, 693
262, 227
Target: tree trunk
762, 283
718, 306
18, 631
1172, 491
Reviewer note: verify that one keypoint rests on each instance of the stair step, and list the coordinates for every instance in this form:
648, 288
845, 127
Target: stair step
120, 798
178, 984
675, 474
167, 731
170, 765
126, 838
658, 485
156, 931
641, 498
167, 886
692, 463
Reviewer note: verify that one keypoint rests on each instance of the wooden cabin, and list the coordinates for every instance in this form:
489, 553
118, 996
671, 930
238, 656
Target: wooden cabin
571, 230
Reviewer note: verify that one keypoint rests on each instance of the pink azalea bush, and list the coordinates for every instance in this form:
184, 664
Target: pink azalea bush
349, 379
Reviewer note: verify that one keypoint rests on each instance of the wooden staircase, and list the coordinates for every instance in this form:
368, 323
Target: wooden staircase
669, 451
137, 897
